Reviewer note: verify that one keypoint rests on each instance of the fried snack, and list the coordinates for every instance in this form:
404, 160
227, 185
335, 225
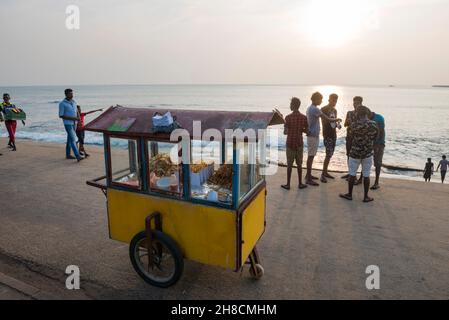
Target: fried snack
223, 177
197, 167
161, 165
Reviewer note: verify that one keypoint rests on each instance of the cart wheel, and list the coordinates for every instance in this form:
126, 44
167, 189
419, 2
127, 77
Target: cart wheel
168, 262
259, 271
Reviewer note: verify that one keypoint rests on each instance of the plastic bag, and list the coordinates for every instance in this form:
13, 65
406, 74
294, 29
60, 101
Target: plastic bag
162, 120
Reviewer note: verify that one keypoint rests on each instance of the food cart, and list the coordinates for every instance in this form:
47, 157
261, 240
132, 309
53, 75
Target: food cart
168, 206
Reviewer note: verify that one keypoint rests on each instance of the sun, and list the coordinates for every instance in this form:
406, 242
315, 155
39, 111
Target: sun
331, 23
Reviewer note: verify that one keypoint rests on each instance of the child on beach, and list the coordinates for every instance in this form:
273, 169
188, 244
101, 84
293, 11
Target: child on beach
80, 129
11, 125
428, 170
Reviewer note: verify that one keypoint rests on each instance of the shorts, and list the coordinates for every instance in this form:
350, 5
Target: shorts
80, 134
294, 155
312, 146
330, 143
378, 155
354, 165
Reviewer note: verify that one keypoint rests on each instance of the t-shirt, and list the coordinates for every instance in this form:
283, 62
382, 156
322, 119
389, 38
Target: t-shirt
313, 119
380, 121
68, 109
296, 125
364, 133
329, 128
443, 165
80, 125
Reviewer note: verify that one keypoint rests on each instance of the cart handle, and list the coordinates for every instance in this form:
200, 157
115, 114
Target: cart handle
96, 184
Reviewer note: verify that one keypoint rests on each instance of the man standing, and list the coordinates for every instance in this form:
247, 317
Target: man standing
295, 126
329, 134
350, 118
69, 115
364, 133
443, 164
379, 146
313, 138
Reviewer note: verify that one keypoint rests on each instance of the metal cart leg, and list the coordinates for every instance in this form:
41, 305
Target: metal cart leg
156, 216
256, 270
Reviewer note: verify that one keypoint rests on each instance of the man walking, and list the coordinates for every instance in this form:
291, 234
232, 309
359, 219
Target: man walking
350, 118
379, 146
329, 134
364, 132
69, 115
313, 138
443, 165
295, 126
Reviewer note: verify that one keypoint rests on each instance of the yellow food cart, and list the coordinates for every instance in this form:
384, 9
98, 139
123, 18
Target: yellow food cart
169, 208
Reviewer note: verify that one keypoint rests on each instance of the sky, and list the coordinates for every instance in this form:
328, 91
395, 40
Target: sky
344, 42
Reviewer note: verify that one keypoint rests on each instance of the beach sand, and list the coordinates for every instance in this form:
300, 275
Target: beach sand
316, 245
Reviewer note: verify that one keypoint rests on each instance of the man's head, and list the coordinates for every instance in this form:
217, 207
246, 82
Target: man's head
333, 99
317, 98
68, 94
363, 113
6, 97
429, 159
295, 103
444, 157
357, 102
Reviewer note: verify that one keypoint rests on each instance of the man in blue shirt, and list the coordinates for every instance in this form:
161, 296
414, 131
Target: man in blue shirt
379, 146
69, 115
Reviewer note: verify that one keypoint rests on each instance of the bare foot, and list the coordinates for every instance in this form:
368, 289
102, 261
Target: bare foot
285, 186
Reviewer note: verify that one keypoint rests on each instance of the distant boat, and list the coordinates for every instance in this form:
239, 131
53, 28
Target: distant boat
441, 86
391, 86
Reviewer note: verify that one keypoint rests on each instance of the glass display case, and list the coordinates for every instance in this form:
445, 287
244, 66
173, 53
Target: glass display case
124, 163
165, 167
210, 173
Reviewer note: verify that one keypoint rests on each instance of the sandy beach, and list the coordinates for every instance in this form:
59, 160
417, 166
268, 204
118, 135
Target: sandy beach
316, 245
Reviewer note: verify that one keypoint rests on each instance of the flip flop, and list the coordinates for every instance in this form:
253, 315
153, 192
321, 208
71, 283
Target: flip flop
346, 196
375, 187
302, 186
323, 180
285, 187
368, 200
329, 176
312, 183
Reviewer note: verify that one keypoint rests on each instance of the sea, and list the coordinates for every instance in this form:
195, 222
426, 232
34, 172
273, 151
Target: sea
416, 117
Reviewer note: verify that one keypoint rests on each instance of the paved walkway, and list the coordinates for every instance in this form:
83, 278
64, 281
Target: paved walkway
316, 245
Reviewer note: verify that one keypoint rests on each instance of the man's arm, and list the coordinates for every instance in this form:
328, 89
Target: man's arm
323, 115
347, 120
69, 118
93, 111
305, 127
